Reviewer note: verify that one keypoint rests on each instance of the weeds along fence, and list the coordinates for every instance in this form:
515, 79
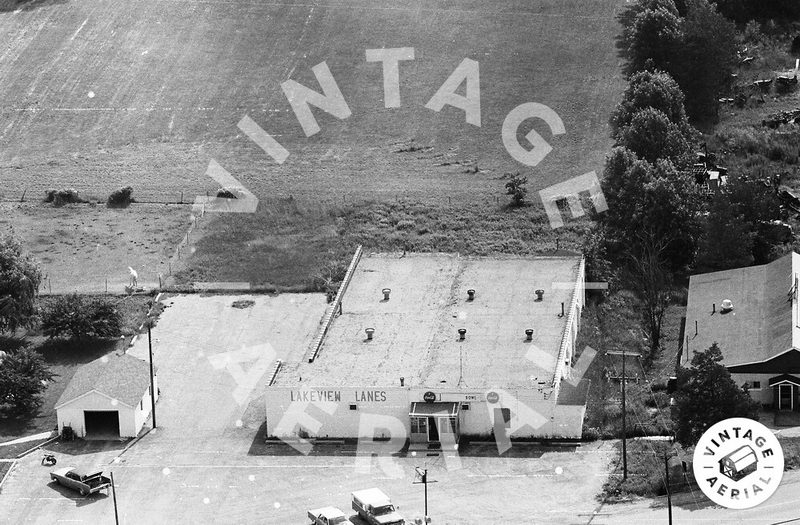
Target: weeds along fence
186, 197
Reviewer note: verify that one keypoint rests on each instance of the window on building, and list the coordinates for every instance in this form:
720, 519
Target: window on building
419, 425
755, 385
465, 406
353, 407
141, 404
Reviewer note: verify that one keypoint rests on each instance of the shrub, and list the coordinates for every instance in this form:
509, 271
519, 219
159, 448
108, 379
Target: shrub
120, 198
77, 317
591, 434
62, 197
516, 188
658, 399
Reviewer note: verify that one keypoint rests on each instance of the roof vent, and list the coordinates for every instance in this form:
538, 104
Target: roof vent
369, 332
726, 306
539, 295
471, 294
386, 292
462, 334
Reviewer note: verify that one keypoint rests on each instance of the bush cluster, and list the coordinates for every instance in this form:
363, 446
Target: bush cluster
121, 198
62, 197
77, 317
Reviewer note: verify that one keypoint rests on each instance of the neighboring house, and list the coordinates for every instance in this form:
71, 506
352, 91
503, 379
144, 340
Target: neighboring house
759, 335
107, 398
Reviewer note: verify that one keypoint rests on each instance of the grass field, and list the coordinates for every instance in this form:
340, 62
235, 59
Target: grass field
101, 94
89, 248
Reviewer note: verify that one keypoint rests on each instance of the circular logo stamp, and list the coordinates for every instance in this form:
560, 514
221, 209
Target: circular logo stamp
493, 397
738, 463
429, 397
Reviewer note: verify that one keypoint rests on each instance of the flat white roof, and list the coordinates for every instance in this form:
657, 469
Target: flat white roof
416, 330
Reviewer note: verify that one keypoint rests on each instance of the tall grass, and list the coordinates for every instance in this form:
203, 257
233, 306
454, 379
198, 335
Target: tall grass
289, 243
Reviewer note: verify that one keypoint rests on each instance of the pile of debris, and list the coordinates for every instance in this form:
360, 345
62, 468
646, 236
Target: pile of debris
784, 117
707, 174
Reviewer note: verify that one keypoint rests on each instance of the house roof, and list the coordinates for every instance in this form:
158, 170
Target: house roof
121, 377
761, 324
416, 330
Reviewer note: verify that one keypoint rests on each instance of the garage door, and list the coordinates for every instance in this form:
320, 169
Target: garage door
101, 423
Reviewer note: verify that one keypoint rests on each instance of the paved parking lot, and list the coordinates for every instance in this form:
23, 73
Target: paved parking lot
206, 461
551, 486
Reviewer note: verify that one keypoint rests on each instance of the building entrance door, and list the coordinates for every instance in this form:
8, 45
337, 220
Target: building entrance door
433, 429
785, 397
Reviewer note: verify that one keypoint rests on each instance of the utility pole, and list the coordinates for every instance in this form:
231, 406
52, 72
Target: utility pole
624, 413
423, 475
114, 494
669, 495
152, 381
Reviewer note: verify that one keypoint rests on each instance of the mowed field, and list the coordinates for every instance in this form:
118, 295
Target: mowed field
102, 93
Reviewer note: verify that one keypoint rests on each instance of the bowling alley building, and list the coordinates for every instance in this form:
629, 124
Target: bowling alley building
437, 347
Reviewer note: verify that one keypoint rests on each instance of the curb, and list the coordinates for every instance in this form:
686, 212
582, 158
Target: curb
37, 447
129, 445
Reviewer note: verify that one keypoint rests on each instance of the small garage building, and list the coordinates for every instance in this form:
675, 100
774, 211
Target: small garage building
107, 398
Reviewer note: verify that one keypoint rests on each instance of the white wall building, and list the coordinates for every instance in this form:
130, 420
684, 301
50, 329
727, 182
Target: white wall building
417, 379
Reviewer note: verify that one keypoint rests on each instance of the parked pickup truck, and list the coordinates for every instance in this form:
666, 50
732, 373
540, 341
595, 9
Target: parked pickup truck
375, 507
84, 482
328, 516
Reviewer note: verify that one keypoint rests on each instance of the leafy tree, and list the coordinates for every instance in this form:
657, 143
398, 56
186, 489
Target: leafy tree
706, 395
650, 36
744, 10
78, 317
651, 89
516, 188
738, 231
23, 377
652, 136
727, 240
706, 59
19, 284
652, 196
699, 50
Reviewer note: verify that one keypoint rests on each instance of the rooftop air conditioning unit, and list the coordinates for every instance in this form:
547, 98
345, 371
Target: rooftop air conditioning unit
727, 306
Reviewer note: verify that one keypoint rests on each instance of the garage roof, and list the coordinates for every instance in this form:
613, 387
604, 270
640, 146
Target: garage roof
118, 376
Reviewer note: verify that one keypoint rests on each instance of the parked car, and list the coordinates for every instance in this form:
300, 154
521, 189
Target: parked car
375, 507
328, 516
81, 481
